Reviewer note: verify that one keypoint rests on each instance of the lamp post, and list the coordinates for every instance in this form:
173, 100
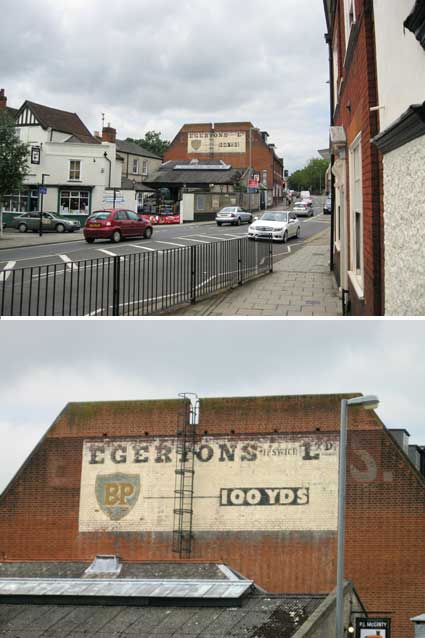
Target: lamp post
370, 402
40, 229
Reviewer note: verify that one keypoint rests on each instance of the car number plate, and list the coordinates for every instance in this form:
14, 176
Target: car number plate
94, 225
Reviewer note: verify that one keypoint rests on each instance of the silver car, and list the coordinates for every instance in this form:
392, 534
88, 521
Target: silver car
50, 222
234, 215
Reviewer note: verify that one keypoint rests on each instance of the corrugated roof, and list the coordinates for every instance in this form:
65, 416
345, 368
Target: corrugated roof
169, 174
260, 616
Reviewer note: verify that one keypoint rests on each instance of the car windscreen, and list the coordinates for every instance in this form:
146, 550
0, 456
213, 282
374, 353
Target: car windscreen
227, 210
103, 215
275, 217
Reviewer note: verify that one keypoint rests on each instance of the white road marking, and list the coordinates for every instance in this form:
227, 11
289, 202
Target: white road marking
68, 261
234, 236
107, 252
7, 270
169, 243
212, 237
152, 250
199, 241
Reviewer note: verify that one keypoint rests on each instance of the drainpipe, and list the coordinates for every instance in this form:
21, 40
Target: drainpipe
328, 40
105, 155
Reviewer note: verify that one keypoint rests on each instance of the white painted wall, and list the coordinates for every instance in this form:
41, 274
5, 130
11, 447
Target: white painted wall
400, 60
404, 204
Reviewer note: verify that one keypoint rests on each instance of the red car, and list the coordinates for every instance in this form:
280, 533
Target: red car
116, 224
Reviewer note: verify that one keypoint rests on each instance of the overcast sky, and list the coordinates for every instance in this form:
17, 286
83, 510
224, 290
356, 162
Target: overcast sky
156, 65
45, 364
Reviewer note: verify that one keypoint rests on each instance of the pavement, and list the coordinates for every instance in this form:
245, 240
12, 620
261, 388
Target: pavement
300, 286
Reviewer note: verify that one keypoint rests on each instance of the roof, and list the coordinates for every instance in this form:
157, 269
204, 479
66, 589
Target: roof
205, 172
131, 185
63, 121
260, 616
415, 22
123, 146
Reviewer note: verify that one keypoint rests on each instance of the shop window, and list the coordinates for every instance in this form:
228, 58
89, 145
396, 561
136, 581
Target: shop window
200, 202
74, 202
74, 170
22, 202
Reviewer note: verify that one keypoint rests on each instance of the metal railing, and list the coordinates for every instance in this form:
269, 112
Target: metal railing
142, 284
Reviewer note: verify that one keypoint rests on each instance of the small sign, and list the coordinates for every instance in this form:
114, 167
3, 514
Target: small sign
42, 190
253, 183
373, 628
35, 154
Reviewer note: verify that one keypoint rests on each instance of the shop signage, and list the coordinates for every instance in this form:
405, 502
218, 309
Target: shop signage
217, 142
373, 628
288, 483
35, 154
42, 190
253, 183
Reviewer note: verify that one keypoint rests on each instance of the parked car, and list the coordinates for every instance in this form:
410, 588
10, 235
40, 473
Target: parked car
50, 222
303, 209
276, 225
233, 215
327, 207
116, 224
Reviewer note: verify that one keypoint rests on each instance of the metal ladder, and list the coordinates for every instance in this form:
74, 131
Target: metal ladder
185, 474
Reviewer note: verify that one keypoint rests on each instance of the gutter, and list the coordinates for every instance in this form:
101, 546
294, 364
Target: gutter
328, 39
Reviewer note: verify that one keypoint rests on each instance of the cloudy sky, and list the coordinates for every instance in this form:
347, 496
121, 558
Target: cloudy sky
45, 364
156, 65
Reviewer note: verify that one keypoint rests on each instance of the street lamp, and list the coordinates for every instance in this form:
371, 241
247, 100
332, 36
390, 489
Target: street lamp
369, 402
41, 191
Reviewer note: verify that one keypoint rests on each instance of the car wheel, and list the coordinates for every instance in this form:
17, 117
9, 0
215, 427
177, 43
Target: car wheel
71, 230
22, 228
116, 237
90, 240
298, 232
148, 233
219, 224
60, 228
285, 237
238, 223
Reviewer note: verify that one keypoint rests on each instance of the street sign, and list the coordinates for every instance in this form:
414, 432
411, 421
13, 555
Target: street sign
373, 628
42, 190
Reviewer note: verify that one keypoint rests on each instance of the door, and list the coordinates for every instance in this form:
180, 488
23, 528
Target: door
137, 225
47, 222
293, 225
123, 223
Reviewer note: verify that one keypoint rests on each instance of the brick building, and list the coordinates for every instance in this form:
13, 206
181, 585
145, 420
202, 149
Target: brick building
103, 481
239, 144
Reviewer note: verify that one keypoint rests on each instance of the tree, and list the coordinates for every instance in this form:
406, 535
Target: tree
13, 158
311, 177
152, 142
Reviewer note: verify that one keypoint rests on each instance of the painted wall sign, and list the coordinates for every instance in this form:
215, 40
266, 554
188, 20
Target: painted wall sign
269, 483
216, 142
373, 628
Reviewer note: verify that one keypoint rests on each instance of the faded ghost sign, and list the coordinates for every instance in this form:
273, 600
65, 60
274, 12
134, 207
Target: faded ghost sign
280, 482
218, 142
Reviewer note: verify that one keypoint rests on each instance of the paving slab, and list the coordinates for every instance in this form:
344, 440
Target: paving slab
301, 285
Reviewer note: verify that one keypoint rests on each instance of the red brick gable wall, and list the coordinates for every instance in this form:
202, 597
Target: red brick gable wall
385, 501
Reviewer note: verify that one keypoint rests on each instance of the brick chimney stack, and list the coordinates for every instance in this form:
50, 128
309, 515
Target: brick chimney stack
109, 134
3, 100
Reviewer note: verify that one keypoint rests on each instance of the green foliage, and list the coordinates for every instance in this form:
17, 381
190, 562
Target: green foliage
312, 177
13, 157
152, 142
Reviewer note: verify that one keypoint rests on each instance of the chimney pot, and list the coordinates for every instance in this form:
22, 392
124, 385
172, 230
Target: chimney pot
109, 134
3, 100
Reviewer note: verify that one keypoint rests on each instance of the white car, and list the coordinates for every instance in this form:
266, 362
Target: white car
302, 208
276, 225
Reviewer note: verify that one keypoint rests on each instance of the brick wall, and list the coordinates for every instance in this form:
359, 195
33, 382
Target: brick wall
39, 511
358, 95
263, 158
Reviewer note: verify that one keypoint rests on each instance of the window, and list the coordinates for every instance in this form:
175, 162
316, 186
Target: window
145, 168
336, 69
74, 170
121, 215
21, 202
132, 216
135, 166
74, 202
356, 213
350, 18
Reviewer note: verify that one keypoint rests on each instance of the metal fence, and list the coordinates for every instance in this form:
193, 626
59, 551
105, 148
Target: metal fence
137, 284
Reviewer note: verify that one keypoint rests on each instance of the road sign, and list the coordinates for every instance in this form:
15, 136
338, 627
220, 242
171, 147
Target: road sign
373, 628
42, 190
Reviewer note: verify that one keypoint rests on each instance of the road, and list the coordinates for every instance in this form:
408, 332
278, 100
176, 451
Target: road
140, 257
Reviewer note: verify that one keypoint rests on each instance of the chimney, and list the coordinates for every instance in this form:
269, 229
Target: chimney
3, 100
109, 134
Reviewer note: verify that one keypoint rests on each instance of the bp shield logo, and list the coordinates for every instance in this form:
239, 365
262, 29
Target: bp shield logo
196, 144
117, 494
